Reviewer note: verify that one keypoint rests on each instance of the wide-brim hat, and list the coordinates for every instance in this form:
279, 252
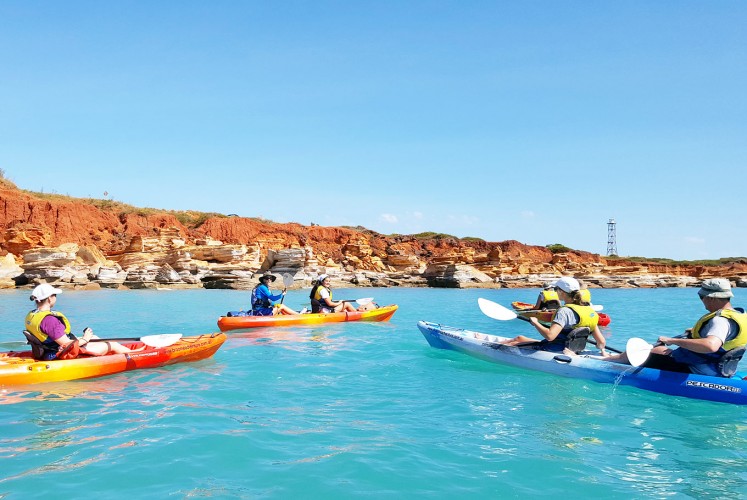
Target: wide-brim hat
716, 288
268, 276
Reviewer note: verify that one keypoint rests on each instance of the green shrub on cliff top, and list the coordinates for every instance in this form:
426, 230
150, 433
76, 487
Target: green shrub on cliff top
430, 235
558, 248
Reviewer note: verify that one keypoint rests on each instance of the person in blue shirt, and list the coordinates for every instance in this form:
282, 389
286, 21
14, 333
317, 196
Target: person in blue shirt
264, 303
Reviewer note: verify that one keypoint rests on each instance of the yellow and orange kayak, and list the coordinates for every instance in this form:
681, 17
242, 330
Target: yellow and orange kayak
528, 311
18, 368
228, 323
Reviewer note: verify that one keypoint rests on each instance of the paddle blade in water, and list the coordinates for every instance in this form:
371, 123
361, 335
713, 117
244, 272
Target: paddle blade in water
637, 351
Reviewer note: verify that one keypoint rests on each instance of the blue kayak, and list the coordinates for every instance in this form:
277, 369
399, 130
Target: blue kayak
586, 365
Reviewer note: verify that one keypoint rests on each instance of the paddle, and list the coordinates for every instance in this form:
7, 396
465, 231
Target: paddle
637, 350
361, 302
596, 307
287, 281
160, 340
497, 311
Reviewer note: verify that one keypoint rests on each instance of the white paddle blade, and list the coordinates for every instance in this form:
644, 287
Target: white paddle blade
495, 311
161, 340
287, 280
637, 351
364, 301
597, 307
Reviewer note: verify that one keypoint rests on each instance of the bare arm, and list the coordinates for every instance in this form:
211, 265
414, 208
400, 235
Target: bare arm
599, 338
706, 345
547, 333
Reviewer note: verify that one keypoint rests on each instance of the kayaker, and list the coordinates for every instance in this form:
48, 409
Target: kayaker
700, 350
576, 313
52, 330
548, 298
264, 303
321, 298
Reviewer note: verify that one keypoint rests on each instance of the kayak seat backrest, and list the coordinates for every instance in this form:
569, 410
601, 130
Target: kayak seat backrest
37, 348
576, 339
551, 305
728, 363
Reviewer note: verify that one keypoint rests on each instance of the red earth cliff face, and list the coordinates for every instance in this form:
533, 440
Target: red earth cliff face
28, 221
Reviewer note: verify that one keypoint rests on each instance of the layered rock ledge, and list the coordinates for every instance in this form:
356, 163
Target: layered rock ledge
74, 244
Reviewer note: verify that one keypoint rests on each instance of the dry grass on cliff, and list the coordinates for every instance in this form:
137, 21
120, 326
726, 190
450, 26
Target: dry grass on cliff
6, 182
190, 219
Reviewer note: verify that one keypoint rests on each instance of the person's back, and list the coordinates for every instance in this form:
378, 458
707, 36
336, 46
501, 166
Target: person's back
314, 297
548, 299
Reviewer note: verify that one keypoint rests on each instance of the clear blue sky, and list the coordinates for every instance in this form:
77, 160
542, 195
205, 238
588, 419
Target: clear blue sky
528, 120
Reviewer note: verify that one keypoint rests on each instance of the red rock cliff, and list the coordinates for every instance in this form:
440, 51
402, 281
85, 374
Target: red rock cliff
30, 221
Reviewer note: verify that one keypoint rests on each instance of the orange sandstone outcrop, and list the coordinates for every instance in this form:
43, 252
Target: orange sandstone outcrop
72, 242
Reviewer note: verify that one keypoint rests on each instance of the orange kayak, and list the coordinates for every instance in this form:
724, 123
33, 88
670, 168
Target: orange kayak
528, 311
227, 323
17, 368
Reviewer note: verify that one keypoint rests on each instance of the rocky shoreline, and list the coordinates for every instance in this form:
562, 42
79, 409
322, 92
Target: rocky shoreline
167, 261
72, 243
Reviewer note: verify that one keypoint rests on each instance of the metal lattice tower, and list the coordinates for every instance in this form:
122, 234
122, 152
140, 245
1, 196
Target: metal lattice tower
611, 238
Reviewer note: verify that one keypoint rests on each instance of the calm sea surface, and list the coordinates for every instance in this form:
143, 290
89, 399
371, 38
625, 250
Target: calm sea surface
359, 410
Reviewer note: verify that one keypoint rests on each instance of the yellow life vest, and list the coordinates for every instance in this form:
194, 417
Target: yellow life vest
585, 295
34, 319
548, 295
318, 296
739, 318
587, 316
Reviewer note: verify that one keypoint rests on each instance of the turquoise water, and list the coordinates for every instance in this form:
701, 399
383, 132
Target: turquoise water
359, 410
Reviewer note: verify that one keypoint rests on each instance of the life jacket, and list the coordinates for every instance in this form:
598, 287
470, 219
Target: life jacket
259, 302
585, 295
315, 297
34, 319
739, 318
587, 316
43, 347
550, 299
